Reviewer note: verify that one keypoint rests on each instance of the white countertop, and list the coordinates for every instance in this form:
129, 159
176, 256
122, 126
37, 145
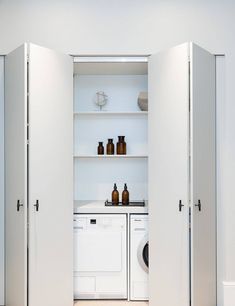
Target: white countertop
98, 207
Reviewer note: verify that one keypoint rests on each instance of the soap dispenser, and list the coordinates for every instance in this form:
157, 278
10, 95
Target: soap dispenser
115, 195
125, 196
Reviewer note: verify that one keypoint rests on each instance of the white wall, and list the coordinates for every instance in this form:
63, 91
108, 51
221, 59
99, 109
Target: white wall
1, 179
141, 27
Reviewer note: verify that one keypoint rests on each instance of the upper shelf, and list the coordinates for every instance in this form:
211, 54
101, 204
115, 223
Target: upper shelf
111, 68
111, 113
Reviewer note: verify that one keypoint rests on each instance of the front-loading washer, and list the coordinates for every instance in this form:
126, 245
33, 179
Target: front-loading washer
139, 260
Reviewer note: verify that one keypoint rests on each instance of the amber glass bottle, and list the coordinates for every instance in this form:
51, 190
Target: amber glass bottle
125, 196
110, 147
115, 195
121, 145
100, 149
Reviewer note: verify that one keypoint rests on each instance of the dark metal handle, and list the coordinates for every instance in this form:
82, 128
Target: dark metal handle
199, 205
18, 205
180, 205
36, 205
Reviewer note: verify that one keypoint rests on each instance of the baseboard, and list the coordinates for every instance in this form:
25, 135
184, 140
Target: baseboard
229, 293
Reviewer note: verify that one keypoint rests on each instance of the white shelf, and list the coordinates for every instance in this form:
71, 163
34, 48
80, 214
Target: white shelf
110, 113
111, 156
93, 206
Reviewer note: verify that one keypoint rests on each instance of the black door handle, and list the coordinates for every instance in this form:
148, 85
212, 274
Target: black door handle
180, 205
18, 205
199, 205
36, 205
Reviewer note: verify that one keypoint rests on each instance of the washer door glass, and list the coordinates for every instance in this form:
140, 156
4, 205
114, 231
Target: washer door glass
143, 253
146, 254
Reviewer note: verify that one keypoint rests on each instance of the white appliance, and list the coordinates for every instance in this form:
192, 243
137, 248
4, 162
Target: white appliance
100, 256
139, 257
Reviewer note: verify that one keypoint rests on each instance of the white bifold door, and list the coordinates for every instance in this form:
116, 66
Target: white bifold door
39, 177
182, 206
16, 177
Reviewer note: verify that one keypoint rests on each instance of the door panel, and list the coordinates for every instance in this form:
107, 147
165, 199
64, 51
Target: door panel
16, 177
203, 229
168, 177
51, 178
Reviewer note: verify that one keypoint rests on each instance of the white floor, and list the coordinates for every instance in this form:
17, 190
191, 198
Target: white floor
109, 303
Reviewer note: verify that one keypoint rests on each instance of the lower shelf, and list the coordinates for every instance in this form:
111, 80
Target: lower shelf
108, 303
111, 156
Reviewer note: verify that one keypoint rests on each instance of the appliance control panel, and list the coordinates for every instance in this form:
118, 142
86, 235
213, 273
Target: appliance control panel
104, 221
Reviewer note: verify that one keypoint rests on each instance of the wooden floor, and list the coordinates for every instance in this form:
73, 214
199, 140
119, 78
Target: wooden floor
109, 303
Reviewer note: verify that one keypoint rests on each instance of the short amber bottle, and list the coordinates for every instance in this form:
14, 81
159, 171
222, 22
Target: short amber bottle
115, 195
100, 149
125, 196
110, 147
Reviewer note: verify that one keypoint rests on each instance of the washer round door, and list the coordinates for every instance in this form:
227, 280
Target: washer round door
143, 254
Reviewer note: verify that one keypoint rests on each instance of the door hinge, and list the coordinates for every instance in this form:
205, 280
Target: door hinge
27, 133
189, 73
189, 218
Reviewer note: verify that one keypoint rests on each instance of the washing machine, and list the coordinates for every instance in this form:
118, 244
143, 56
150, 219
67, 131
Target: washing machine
139, 259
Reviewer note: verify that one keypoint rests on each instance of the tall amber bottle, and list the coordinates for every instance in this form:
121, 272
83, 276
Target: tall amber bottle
115, 195
121, 145
125, 196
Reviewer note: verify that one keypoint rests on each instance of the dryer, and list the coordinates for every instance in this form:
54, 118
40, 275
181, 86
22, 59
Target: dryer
139, 248
100, 256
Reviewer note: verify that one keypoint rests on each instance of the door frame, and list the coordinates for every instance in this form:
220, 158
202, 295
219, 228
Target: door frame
144, 57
